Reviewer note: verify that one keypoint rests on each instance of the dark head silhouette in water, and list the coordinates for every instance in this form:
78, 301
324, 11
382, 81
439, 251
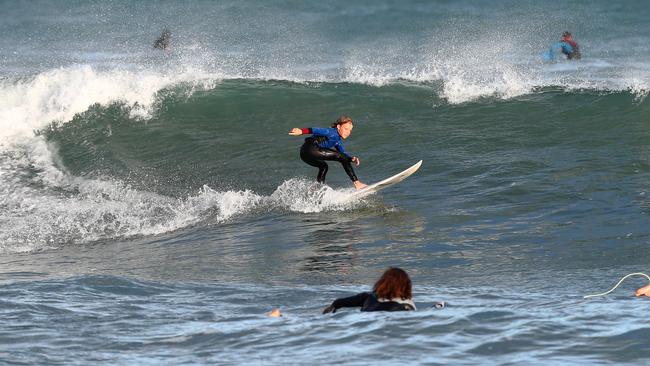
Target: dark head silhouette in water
162, 43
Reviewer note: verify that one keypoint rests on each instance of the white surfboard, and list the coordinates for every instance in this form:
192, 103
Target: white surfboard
374, 188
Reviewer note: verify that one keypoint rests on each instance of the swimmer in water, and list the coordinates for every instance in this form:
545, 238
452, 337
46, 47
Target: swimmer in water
162, 43
566, 46
573, 52
392, 292
327, 144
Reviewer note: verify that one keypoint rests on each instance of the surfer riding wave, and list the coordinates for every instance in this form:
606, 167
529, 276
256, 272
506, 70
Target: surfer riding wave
326, 144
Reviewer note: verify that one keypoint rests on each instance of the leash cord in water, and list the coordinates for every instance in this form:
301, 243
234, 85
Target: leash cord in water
619, 282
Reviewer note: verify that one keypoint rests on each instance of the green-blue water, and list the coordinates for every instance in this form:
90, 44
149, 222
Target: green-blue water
153, 206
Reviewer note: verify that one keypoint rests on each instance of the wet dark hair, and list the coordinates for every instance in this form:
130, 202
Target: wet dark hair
566, 34
341, 120
394, 283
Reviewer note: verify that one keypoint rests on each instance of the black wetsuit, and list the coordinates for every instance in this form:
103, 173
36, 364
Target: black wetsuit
369, 302
315, 155
162, 43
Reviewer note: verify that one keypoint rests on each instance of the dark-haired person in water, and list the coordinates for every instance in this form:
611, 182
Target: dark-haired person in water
162, 43
327, 144
392, 292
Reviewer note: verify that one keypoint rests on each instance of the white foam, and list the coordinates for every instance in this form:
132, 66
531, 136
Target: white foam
305, 196
492, 64
86, 210
497, 65
57, 95
41, 203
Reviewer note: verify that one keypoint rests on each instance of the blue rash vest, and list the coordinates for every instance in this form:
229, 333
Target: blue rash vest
332, 139
562, 47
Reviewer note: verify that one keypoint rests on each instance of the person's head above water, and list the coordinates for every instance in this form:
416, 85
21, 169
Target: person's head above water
163, 42
393, 284
344, 125
567, 35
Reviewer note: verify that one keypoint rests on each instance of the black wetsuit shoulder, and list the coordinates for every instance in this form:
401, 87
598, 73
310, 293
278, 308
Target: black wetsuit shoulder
368, 302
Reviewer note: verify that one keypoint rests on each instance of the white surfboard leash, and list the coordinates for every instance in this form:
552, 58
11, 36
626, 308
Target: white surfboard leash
619, 282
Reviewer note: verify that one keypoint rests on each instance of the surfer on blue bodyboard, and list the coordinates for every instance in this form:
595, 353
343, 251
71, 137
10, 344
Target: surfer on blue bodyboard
326, 144
566, 46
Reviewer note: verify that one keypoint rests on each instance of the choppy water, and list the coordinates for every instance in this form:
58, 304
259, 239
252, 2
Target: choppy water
153, 207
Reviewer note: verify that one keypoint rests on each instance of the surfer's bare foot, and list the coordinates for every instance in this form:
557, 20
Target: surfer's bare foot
359, 185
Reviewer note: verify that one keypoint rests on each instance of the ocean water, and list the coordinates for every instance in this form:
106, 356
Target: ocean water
153, 207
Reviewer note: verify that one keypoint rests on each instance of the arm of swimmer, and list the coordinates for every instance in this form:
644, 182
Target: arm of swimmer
300, 131
318, 131
347, 302
341, 149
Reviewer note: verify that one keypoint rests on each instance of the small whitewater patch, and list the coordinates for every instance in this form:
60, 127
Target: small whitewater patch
304, 196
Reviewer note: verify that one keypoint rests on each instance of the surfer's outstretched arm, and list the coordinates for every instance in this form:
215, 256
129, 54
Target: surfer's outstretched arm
353, 159
316, 131
295, 132
347, 302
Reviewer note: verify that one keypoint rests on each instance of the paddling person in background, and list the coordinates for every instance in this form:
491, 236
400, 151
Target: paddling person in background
327, 144
392, 292
566, 46
162, 43
572, 52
